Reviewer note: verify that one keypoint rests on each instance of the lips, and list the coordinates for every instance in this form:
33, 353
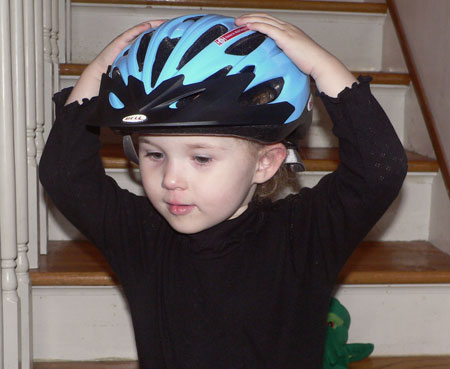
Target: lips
180, 209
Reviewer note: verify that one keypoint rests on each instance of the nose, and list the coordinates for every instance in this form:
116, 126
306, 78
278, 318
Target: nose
173, 176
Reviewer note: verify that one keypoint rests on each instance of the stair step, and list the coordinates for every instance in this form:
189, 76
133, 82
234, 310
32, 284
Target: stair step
382, 78
315, 159
332, 6
401, 362
79, 263
86, 365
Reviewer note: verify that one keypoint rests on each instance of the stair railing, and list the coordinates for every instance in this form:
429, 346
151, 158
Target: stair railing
28, 79
8, 236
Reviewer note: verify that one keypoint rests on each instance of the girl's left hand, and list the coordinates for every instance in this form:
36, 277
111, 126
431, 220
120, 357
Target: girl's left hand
330, 75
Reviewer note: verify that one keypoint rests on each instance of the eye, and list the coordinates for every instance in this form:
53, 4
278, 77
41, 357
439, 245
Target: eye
154, 155
202, 160
331, 324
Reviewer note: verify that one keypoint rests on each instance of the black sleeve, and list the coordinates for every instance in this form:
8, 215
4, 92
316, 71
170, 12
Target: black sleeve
72, 173
336, 214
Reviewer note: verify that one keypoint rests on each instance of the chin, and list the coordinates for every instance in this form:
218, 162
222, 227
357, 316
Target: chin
189, 228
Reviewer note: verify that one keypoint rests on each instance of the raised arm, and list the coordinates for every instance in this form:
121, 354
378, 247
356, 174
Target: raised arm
71, 169
335, 215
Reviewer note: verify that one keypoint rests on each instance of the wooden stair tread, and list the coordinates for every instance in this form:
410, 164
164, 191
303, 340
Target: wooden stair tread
396, 263
72, 263
315, 159
86, 365
401, 362
332, 6
79, 263
382, 78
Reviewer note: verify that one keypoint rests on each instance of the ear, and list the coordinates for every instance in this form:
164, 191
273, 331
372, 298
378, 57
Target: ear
270, 158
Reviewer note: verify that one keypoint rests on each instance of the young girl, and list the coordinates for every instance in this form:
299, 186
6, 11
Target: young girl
213, 278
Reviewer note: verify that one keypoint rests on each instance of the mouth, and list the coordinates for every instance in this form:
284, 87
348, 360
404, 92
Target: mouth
180, 209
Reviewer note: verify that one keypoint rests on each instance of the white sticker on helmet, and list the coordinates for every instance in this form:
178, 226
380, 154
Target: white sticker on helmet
135, 118
230, 34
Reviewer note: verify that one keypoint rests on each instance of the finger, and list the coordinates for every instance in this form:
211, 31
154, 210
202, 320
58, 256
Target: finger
259, 17
272, 30
131, 34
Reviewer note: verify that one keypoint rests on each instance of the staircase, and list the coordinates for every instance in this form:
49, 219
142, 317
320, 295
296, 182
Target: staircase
397, 283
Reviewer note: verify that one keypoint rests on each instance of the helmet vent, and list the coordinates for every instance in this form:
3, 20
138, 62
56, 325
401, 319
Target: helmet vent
263, 93
142, 50
220, 73
248, 69
246, 45
180, 104
203, 41
116, 75
194, 19
164, 50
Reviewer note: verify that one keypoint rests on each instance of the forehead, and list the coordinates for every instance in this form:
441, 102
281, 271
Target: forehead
221, 142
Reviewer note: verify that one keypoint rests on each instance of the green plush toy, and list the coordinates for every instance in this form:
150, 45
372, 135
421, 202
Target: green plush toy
339, 353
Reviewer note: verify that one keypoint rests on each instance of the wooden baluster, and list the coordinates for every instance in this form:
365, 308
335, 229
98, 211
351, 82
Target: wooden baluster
40, 119
48, 65
54, 43
30, 91
8, 237
20, 149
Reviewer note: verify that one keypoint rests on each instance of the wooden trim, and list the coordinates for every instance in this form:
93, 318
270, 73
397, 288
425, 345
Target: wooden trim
421, 96
402, 362
72, 263
111, 364
386, 78
372, 362
331, 6
71, 69
315, 159
381, 78
414, 262
79, 263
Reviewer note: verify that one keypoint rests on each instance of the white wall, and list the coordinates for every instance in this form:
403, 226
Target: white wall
427, 29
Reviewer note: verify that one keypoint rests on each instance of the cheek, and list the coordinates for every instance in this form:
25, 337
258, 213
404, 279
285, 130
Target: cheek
230, 187
150, 181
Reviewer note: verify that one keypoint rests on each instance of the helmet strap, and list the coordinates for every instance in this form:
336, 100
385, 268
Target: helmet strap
129, 150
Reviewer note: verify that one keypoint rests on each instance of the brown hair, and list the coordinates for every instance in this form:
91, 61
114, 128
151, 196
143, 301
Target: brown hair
283, 180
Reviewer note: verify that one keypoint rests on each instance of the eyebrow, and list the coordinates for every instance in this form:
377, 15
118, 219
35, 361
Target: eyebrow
195, 145
144, 139
204, 146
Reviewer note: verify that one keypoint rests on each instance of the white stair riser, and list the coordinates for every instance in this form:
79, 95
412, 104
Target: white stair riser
81, 323
337, 32
391, 98
76, 323
407, 218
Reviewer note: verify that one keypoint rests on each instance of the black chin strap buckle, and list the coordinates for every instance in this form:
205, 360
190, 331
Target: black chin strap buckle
293, 159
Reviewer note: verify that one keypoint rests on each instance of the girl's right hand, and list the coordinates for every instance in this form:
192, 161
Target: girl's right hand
88, 84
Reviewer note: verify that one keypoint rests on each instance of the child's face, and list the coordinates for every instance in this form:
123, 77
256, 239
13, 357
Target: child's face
196, 182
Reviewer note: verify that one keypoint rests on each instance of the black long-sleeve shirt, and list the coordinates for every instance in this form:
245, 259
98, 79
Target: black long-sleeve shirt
251, 292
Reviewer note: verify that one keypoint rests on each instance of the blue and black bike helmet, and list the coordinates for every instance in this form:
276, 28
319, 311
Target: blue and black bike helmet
203, 75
